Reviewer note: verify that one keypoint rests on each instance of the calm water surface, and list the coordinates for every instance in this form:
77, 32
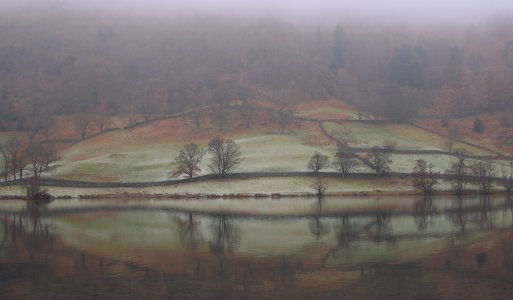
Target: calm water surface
347, 248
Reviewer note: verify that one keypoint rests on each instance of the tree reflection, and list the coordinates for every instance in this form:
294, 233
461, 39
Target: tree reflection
484, 216
459, 217
380, 230
188, 231
424, 211
8, 244
34, 211
346, 231
24, 232
317, 227
508, 206
226, 235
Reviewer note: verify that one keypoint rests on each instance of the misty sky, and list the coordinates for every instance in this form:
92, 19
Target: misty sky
400, 10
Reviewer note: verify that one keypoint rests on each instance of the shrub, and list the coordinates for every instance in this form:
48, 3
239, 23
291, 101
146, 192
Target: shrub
390, 145
478, 126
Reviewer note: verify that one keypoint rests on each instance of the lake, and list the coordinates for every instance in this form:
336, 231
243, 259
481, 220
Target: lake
303, 248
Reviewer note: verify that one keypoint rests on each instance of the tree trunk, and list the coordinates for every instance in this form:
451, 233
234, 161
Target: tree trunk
197, 120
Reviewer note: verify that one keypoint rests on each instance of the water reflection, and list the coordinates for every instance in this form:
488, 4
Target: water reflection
317, 226
225, 235
25, 237
508, 206
188, 231
439, 242
424, 211
484, 215
458, 216
380, 229
347, 231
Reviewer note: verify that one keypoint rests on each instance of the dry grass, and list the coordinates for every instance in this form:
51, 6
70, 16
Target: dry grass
491, 138
264, 185
145, 153
326, 109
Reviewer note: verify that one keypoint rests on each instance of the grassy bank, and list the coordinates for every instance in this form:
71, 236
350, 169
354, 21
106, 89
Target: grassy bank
239, 188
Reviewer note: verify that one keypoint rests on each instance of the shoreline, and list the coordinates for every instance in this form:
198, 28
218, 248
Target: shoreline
241, 196
237, 186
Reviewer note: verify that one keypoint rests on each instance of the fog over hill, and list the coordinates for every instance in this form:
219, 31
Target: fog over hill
433, 11
393, 60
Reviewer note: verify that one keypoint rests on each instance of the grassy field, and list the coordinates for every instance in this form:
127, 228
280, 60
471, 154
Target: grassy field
145, 152
492, 137
406, 136
265, 185
404, 163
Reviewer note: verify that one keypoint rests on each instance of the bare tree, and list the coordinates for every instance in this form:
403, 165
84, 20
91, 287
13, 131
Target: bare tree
458, 171
3, 169
452, 137
187, 161
319, 186
220, 116
226, 156
100, 122
507, 177
283, 118
14, 157
197, 119
485, 171
22, 158
32, 188
146, 109
379, 161
424, 179
345, 161
5, 163
49, 155
247, 114
344, 136
359, 113
39, 157
317, 162
36, 158
82, 124
35, 193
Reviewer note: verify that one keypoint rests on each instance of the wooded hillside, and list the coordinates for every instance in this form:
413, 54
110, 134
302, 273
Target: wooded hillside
62, 61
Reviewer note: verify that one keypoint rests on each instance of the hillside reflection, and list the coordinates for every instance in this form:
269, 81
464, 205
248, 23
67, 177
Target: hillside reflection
110, 252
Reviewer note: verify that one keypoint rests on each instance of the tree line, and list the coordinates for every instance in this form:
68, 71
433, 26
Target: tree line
226, 157
461, 172
21, 159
